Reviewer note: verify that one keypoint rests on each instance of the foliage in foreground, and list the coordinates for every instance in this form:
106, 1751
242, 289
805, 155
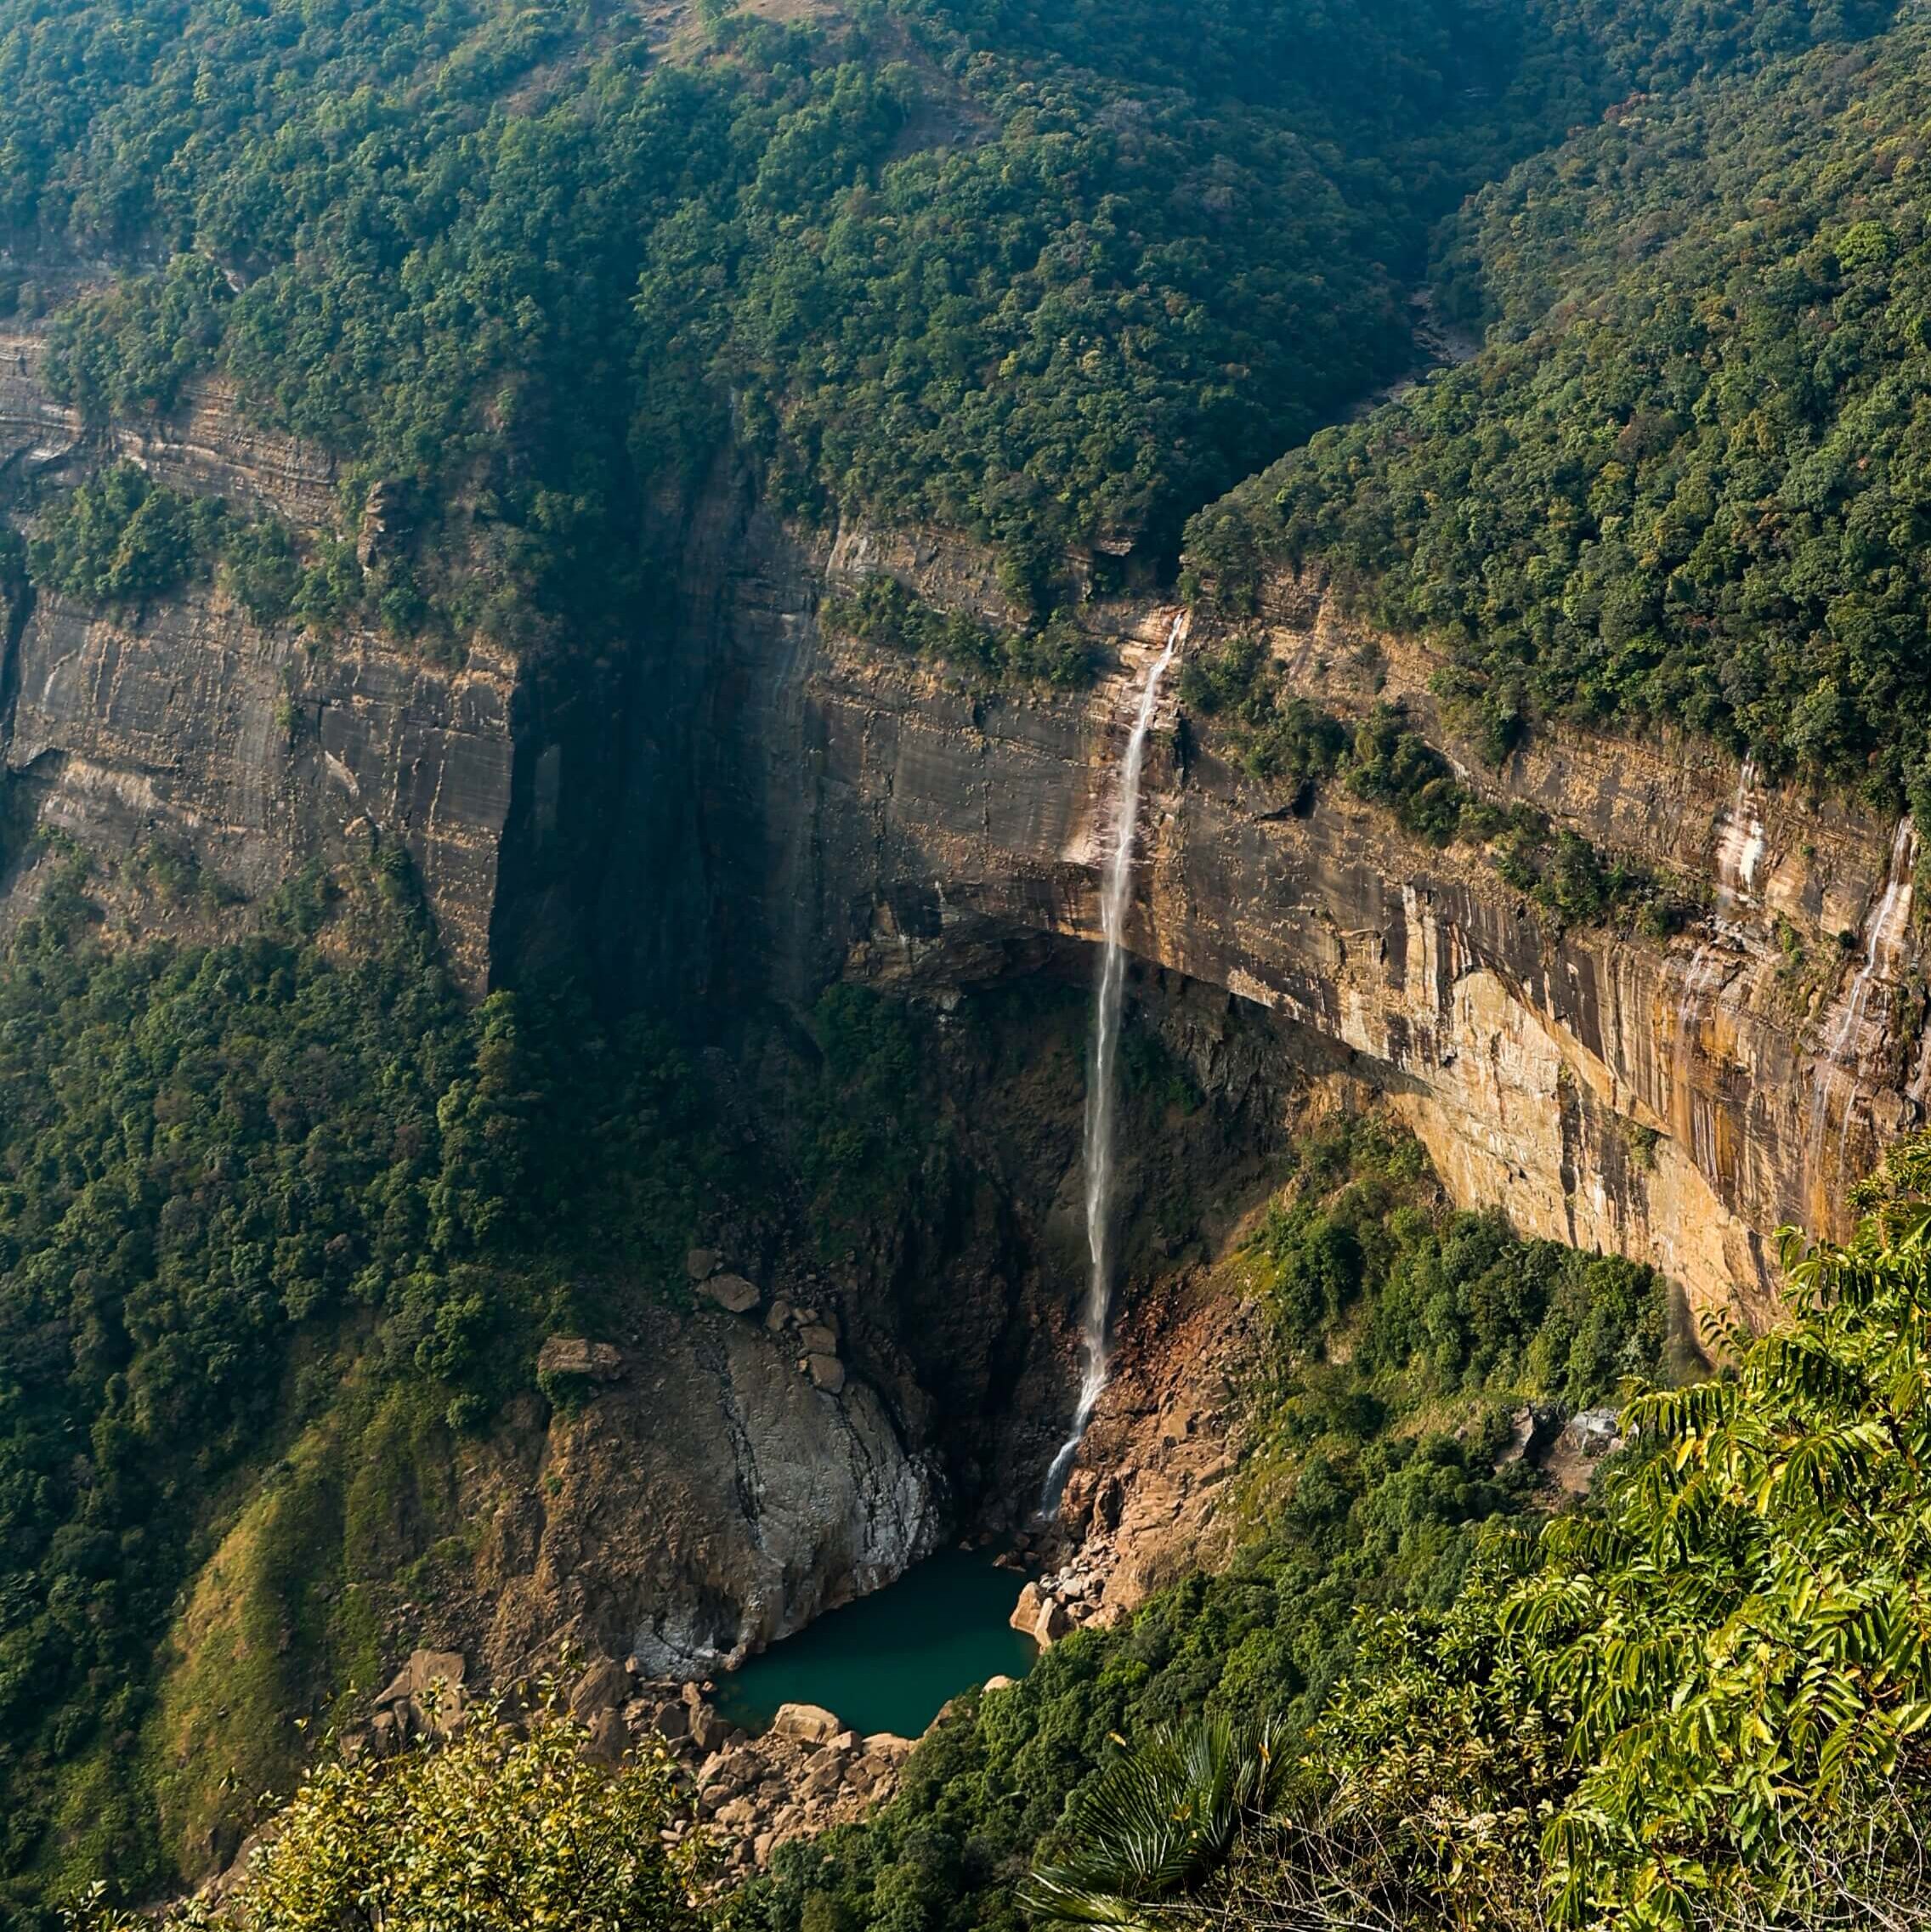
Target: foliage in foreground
1158, 1820
1702, 1702
509, 1828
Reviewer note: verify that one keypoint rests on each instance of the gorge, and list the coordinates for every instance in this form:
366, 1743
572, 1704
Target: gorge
707, 900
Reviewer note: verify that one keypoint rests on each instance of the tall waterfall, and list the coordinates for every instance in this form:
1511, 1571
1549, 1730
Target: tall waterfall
1116, 889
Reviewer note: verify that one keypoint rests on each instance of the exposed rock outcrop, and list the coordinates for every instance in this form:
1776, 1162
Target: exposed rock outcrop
1674, 1101
713, 1500
192, 724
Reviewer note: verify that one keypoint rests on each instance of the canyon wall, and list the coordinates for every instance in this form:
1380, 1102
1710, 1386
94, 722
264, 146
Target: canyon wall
743, 806
1675, 1101
188, 727
747, 808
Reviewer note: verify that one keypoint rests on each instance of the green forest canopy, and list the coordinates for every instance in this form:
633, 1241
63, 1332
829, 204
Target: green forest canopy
1044, 275
1051, 273
1686, 481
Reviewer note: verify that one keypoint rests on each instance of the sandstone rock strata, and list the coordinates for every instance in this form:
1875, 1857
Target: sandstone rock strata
1676, 1102
192, 725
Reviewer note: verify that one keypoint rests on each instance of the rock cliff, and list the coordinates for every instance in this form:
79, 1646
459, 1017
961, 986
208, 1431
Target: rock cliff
749, 808
1676, 1102
188, 724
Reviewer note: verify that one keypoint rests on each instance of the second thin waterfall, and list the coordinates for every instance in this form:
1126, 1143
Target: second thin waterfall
1116, 889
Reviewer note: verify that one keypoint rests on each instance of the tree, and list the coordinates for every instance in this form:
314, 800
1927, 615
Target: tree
1744, 1631
1160, 1820
508, 1828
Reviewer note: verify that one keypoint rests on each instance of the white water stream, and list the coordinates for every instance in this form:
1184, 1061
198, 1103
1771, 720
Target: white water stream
1889, 925
1116, 891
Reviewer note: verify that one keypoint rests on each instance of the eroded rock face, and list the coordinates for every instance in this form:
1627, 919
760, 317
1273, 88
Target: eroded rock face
713, 1500
191, 724
782, 810
1675, 1102
188, 723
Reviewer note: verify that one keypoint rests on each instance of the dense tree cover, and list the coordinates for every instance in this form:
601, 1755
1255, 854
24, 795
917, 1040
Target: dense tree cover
511, 1824
1044, 274
1404, 1336
523, 263
121, 539
227, 1173
1684, 483
880, 610
1284, 741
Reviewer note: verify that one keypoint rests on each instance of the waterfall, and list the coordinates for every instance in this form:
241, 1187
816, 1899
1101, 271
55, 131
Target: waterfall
1739, 842
1885, 936
1116, 889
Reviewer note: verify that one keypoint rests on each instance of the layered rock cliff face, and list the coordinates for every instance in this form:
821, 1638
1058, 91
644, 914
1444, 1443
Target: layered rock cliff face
1674, 1101
756, 809
189, 725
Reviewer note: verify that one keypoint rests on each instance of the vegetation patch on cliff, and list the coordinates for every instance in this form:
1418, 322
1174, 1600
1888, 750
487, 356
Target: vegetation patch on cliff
1285, 741
881, 611
120, 540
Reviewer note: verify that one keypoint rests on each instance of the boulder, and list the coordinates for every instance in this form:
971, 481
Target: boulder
601, 1687
827, 1372
708, 1729
424, 1668
1531, 1428
806, 1724
608, 1740
1026, 1613
733, 1293
1053, 1621
1000, 1682
780, 1317
700, 1262
573, 1355
426, 1694
818, 1339
1593, 1432
889, 1745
